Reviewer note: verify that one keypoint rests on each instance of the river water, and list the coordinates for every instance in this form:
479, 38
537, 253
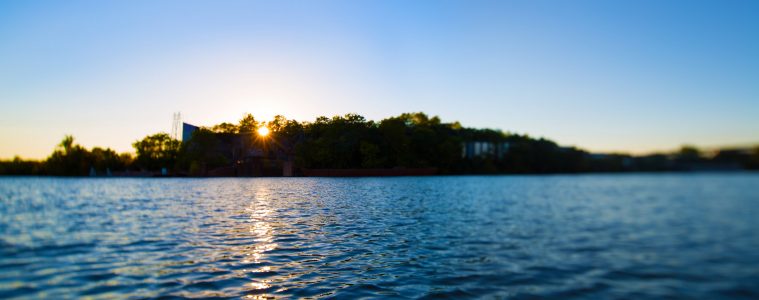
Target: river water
632, 236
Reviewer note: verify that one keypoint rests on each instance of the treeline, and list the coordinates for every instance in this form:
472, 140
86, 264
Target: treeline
418, 141
411, 140
415, 140
72, 159
69, 159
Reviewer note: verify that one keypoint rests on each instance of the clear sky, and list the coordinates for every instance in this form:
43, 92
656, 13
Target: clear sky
634, 76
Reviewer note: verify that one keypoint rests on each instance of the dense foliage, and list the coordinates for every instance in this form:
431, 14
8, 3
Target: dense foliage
156, 151
411, 140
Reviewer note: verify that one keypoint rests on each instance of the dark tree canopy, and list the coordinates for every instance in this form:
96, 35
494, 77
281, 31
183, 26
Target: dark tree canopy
156, 151
409, 140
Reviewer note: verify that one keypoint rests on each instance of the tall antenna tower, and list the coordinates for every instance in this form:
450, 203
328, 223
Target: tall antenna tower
175, 125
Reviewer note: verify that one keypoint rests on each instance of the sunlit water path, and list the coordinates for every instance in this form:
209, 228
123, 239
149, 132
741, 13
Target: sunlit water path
590, 236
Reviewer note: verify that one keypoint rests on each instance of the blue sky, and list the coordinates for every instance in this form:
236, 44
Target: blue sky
632, 76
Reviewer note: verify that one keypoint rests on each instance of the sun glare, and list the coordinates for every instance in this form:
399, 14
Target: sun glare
263, 131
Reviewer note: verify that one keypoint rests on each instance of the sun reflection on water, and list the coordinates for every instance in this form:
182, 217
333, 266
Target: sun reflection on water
258, 297
262, 269
263, 235
260, 285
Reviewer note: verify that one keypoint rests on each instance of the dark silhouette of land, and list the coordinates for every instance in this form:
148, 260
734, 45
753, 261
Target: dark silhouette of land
350, 145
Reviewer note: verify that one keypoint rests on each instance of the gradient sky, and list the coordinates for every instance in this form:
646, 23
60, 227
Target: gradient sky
634, 76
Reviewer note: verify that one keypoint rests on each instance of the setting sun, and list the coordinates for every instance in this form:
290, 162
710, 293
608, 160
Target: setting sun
263, 131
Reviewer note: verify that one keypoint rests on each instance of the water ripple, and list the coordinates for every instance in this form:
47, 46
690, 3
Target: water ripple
554, 237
